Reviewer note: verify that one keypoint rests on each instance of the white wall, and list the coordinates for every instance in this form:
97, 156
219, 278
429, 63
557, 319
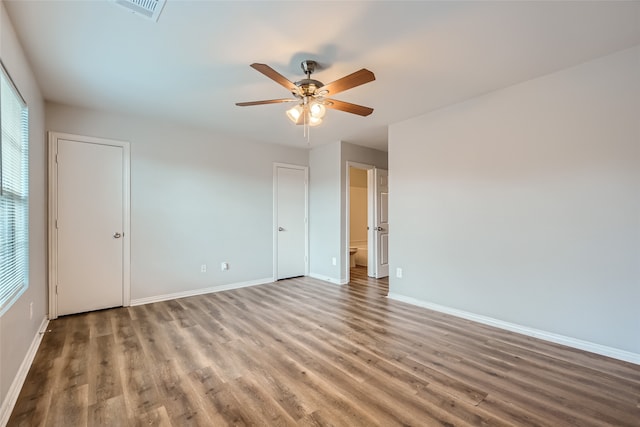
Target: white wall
523, 205
196, 198
324, 212
17, 329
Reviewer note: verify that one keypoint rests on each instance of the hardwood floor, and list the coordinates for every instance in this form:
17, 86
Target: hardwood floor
304, 352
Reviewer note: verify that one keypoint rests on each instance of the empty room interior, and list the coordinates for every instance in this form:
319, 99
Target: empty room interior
319, 213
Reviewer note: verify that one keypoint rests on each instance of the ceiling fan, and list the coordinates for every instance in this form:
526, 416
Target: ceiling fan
311, 95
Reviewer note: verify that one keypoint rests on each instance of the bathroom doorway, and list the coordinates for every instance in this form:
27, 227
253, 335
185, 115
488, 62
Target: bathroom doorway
367, 227
358, 219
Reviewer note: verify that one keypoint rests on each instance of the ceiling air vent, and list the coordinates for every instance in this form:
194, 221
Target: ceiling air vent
149, 9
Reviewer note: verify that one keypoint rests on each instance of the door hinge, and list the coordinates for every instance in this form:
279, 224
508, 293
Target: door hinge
56, 224
56, 289
56, 159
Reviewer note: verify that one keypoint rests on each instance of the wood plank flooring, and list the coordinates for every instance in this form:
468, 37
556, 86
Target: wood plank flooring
301, 352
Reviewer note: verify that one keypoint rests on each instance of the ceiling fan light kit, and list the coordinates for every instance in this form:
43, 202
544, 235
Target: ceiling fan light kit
309, 112
310, 94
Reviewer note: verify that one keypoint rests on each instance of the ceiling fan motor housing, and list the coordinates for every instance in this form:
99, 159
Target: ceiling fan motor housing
307, 87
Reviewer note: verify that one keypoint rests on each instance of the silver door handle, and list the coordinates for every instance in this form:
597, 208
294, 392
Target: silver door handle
379, 229
280, 229
117, 236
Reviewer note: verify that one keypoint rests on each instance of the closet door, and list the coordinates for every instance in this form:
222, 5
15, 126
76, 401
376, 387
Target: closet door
91, 200
290, 214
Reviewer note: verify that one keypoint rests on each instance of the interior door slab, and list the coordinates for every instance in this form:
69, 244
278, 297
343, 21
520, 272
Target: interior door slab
89, 226
291, 214
381, 223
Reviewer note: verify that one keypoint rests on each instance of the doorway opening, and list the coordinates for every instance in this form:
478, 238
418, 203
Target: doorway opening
366, 217
358, 220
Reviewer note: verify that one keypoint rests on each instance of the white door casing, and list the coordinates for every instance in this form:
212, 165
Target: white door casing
380, 229
89, 224
290, 221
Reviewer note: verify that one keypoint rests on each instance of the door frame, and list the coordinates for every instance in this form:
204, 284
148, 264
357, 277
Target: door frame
277, 165
53, 209
370, 207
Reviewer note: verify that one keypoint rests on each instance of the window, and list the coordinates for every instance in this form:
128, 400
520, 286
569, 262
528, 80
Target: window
14, 193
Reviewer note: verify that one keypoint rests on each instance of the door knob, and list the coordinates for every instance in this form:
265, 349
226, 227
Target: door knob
379, 229
117, 236
280, 229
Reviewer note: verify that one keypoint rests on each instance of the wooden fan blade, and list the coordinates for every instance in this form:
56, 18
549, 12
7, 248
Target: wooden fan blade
348, 107
274, 75
267, 101
347, 82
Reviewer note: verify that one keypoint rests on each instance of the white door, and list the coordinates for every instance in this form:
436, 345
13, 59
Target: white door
379, 232
290, 221
90, 226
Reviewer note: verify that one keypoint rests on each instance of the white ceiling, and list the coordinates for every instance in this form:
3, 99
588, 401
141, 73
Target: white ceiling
193, 64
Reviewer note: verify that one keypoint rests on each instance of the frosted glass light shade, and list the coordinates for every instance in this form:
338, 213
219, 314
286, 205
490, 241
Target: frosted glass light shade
314, 121
295, 113
317, 110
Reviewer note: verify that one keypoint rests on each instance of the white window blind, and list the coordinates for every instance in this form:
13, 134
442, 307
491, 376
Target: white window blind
14, 194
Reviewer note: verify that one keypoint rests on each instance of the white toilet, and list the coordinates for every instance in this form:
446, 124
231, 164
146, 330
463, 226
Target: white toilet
352, 257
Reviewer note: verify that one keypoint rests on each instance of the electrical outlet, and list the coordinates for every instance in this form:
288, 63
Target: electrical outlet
224, 266
399, 273
334, 261
203, 268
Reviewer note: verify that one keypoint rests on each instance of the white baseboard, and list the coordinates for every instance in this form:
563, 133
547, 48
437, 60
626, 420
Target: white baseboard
328, 279
209, 290
603, 350
21, 375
